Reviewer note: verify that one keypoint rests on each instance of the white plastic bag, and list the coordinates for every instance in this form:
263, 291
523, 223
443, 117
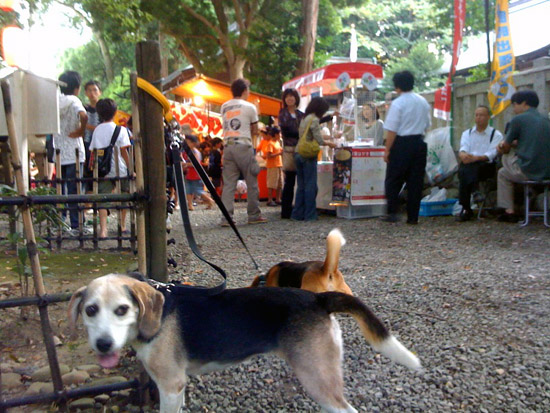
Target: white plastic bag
347, 109
241, 187
441, 162
436, 195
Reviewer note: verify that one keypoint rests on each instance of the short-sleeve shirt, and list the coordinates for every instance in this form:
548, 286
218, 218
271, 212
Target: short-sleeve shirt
277, 161
409, 114
69, 120
479, 143
102, 138
532, 131
238, 115
93, 120
192, 174
314, 131
263, 145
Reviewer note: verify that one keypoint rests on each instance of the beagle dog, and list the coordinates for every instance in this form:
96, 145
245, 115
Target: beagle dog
177, 332
316, 276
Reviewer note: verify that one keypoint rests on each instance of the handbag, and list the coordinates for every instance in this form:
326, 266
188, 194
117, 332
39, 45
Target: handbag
260, 159
288, 159
105, 156
307, 148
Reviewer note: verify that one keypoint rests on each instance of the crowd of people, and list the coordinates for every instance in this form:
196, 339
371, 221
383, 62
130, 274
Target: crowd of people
289, 151
407, 121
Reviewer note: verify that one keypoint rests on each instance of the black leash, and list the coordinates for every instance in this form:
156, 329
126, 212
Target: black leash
175, 150
206, 181
180, 187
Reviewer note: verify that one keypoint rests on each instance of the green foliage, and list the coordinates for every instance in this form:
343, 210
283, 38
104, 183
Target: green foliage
119, 91
387, 30
478, 73
40, 214
422, 63
87, 61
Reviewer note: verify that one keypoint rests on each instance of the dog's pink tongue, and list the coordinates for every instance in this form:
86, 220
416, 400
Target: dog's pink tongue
109, 361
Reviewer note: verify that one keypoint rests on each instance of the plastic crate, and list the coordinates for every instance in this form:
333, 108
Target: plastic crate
432, 209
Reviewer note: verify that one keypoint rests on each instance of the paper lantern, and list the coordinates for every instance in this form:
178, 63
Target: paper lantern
14, 47
7, 5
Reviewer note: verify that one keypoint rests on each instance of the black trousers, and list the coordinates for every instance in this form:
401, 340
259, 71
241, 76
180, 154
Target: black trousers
407, 164
288, 194
469, 177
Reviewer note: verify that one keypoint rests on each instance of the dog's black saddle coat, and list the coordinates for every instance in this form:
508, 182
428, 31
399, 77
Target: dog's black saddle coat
238, 323
291, 273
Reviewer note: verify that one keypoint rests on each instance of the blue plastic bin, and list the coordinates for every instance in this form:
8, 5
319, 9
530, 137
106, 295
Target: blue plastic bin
432, 209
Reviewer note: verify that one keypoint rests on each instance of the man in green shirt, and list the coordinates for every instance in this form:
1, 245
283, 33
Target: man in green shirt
529, 134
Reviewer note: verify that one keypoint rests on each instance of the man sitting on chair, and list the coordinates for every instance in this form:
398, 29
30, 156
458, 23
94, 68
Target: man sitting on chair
478, 150
529, 133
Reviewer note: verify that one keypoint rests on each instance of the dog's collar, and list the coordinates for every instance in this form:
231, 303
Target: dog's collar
160, 285
177, 288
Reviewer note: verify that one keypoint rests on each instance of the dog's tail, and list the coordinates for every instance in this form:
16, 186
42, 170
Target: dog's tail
373, 329
335, 241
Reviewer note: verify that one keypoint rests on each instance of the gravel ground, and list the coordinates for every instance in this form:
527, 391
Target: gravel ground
470, 299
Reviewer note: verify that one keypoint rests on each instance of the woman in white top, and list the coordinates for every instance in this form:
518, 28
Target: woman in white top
371, 126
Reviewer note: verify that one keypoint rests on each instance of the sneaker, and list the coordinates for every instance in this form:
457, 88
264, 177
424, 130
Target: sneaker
465, 215
508, 218
392, 218
258, 220
272, 204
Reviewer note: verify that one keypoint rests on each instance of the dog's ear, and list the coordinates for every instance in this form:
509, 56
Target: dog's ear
75, 307
150, 303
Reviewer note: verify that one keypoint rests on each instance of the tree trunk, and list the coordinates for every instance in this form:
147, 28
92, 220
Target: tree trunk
308, 30
236, 68
107, 61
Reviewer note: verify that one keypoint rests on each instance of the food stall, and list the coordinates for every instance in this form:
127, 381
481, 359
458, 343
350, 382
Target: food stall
350, 178
207, 92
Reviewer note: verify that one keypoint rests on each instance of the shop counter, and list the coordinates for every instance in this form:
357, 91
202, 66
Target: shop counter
358, 182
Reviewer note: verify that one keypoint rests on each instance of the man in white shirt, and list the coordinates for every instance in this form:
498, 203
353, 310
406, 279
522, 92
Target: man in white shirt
407, 121
72, 125
240, 124
478, 150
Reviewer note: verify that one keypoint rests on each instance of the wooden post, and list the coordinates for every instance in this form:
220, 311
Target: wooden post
95, 190
154, 162
132, 185
139, 182
31, 241
58, 190
81, 218
117, 191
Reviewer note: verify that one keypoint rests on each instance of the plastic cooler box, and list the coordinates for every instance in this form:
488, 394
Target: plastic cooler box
431, 209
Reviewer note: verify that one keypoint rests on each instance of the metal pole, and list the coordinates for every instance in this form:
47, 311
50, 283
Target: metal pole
488, 40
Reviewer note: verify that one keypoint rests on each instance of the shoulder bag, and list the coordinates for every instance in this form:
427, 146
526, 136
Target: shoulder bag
105, 155
308, 148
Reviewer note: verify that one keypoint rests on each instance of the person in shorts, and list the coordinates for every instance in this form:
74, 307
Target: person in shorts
101, 138
274, 164
193, 182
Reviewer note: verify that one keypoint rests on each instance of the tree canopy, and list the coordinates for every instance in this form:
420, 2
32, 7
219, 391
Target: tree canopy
260, 39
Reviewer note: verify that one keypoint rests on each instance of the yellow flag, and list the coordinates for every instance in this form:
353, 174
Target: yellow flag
502, 85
